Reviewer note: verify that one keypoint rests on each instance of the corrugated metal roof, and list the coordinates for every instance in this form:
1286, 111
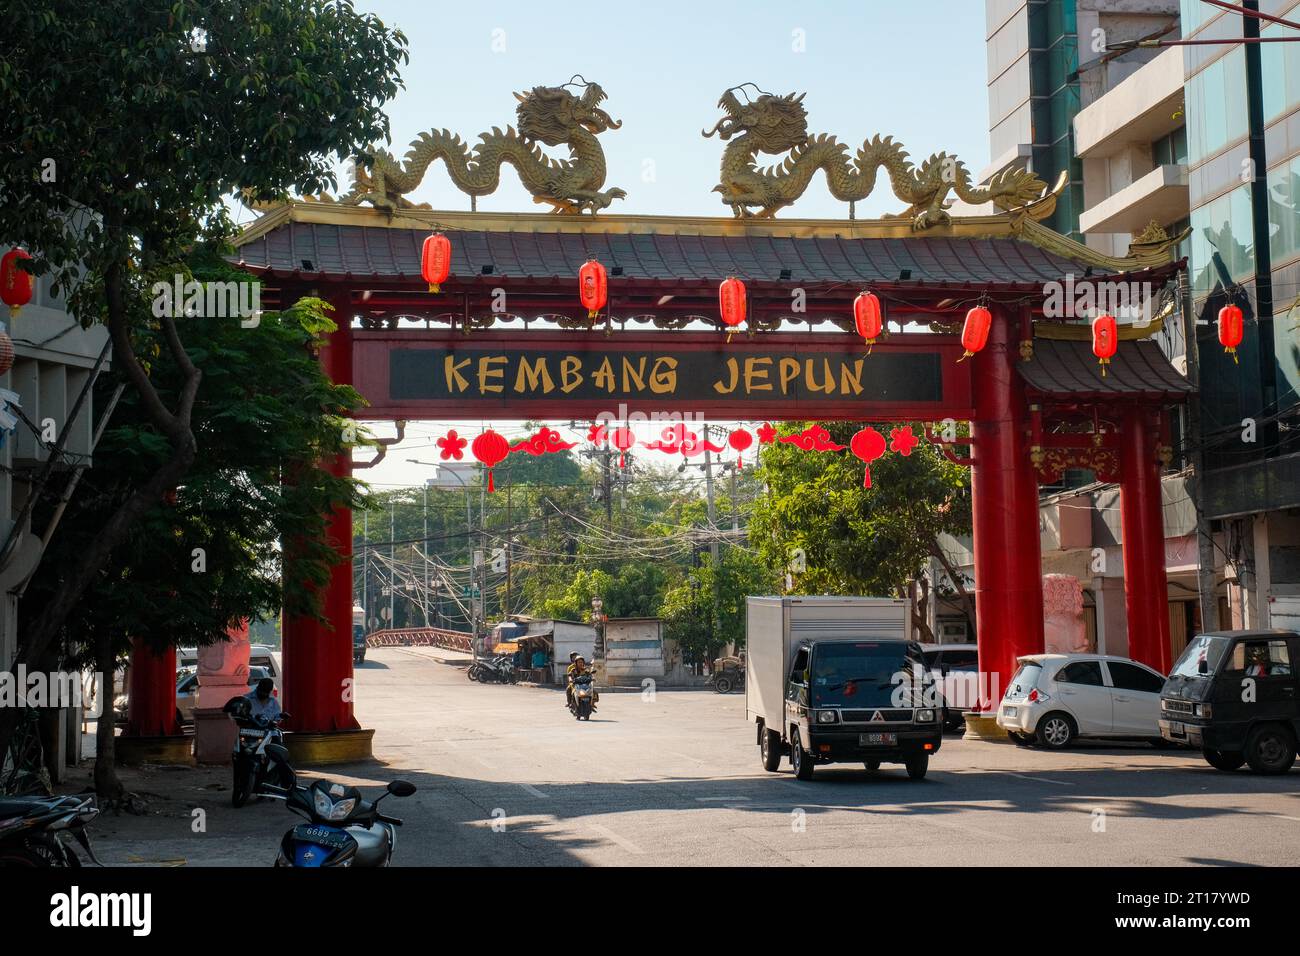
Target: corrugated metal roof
1070, 369
325, 249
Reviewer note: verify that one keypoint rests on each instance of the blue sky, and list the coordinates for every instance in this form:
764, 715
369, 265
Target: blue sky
914, 70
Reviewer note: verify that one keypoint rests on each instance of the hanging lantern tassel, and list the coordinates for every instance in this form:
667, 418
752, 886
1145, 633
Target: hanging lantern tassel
1231, 330
866, 318
593, 287
740, 440
975, 331
15, 284
868, 444
622, 439
490, 448
435, 261
732, 304
1105, 339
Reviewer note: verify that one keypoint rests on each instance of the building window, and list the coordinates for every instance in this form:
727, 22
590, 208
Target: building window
1171, 150
1216, 106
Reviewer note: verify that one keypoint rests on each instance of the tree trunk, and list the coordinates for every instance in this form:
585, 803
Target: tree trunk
107, 784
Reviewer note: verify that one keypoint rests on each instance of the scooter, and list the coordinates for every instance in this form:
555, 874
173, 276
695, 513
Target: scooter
32, 830
342, 828
258, 759
583, 699
497, 670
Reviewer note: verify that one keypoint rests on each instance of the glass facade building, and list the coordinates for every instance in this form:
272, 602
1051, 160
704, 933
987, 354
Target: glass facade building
1243, 156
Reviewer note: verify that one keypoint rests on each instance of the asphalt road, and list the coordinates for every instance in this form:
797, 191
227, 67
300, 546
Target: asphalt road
507, 777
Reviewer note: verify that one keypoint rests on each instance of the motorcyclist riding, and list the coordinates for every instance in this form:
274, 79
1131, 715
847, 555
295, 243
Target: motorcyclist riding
578, 667
265, 708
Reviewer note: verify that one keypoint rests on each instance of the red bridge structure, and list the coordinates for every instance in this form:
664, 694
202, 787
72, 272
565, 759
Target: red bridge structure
1036, 396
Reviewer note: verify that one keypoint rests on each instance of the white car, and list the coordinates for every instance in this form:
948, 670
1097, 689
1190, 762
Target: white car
1054, 698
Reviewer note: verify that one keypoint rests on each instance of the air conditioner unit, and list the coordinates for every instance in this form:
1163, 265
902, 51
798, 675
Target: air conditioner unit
953, 632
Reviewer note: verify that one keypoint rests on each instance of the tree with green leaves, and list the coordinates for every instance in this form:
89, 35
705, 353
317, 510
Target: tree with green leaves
124, 128
206, 557
706, 611
856, 540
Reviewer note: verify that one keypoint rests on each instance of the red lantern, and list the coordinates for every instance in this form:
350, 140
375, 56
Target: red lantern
868, 444
622, 439
740, 440
1105, 339
731, 303
15, 284
435, 261
975, 333
491, 448
1231, 329
593, 287
866, 317
6, 352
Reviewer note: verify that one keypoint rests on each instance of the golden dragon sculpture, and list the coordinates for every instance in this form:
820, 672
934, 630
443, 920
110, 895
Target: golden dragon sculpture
547, 115
775, 124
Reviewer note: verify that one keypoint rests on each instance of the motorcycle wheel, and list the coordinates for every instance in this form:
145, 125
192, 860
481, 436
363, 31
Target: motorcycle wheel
243, 785
22, 856
722, 685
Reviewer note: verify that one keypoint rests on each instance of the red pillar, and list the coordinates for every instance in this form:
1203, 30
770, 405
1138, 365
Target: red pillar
318, 657
151, 711
1146, 593
1004, 492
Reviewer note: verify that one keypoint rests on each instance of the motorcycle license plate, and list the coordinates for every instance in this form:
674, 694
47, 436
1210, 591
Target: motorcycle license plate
877, 740
321, 836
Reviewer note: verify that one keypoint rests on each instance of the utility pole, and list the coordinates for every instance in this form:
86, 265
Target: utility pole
365, 566
392, 560
708, 492
735, 513
509, 529
424, 552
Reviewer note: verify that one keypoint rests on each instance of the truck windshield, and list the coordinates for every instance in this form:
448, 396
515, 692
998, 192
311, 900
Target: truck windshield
1203, 648
864, 674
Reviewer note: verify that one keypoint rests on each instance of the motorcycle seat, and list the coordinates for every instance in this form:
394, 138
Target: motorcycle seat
14, 807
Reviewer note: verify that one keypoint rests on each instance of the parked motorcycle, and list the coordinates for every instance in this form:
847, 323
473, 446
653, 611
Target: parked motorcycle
583, 699
342, 828
496, 670
259, 760
33, 830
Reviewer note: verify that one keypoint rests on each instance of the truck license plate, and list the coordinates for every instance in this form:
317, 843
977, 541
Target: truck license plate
877, 740
1177, 729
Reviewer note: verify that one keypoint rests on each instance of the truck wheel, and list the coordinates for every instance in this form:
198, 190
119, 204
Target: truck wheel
917, 765
770, 750
1228, 760
1056, 731
802, 761
1270, 749
722, 685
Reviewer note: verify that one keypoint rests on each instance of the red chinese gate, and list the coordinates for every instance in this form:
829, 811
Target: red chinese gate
1035, 394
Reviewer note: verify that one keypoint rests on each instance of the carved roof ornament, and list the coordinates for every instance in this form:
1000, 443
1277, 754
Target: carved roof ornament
767, 123
568, 115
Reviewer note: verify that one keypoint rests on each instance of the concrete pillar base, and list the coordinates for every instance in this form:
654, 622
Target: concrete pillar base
133, 751
336, 746
984, 727
214, 735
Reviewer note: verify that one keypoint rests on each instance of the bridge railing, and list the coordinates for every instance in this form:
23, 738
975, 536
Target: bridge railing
421, 637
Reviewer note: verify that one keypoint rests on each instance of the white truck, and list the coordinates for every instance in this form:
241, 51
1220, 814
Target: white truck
838, 679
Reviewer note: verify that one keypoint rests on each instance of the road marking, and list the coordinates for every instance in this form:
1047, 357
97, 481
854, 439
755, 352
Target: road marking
615, 838
674, 753
1025, 776
720, 799
535, 792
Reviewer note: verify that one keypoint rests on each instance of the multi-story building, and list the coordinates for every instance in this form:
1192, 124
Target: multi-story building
1174, 138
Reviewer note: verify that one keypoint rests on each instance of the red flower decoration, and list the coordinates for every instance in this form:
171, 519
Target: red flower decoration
902, 440
766, 434
597, 434
452, 445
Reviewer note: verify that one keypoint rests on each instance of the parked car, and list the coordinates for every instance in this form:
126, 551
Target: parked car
956, 672
1052, 699
1234, 694
187, 689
